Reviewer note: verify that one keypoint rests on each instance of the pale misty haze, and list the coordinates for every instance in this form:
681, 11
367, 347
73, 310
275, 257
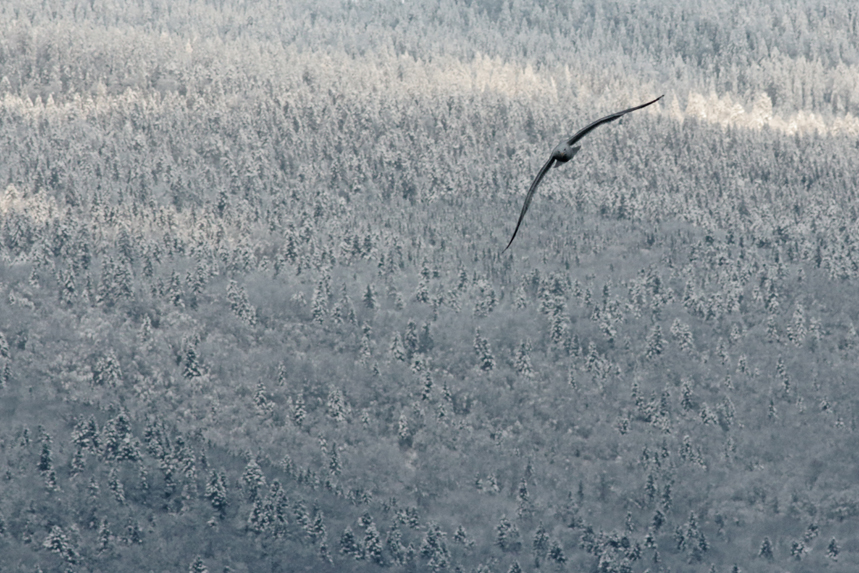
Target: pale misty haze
255, 313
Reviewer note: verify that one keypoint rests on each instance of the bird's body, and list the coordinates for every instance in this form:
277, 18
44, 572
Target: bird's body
562, 153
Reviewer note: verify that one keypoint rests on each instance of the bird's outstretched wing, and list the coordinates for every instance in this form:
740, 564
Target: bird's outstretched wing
586, 130
572, 141
529, 196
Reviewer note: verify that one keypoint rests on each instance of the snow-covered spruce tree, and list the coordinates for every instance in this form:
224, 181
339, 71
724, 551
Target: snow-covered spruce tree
507, 536
485, 360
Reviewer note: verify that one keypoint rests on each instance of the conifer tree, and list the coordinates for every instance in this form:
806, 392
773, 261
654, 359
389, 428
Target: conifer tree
336, 405
832, 550
422, 291
655, 342
299, 511
523, 359
404, 433
396, 349
191, 365
520, 298
682, 334
175, 294
658, 520
394, 545
58, 542
105, 537
4, 346
216, 492
434, 549
484, 355
349, 544
507, 535
45, 458
558, 332
259, 518
366, 347
334, 461
318, 306
198, 566
373, 545
556, 553
797, 550
116, 486
262, 404
766, 550
540, 545
67, 288
253, 480
298, 412
242, 307
524, 507
411, 340
316, 529
370, 298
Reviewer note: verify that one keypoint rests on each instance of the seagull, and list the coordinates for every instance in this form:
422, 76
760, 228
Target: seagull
565, 151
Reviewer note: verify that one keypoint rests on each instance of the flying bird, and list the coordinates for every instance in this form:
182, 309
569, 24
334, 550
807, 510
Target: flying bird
562, 153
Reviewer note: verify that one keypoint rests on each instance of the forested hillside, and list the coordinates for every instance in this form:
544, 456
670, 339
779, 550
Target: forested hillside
255, 314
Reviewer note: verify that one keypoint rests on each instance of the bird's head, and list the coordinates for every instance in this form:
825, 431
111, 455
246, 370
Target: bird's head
563, 152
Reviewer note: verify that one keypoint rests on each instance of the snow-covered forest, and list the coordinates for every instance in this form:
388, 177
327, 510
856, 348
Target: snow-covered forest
255, 315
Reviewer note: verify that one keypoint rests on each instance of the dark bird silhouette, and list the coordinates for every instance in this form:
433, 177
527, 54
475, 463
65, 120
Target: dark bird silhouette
565, 151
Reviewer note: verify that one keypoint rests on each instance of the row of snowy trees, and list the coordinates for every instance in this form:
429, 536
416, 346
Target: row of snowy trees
804, 56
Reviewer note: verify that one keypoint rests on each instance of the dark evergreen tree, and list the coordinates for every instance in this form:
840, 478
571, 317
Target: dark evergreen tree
655, 342
198, 566
349, 544
797, 550
410, 340
507, 536
540, 545
58, 542
45, 458
370, 298
253, 480
191, 365
260, 517
556, 553
105, 538
394, 545
116, 486
766, 550
216, 491
523, 359
316, 529
484, 355
832, 550
373, 545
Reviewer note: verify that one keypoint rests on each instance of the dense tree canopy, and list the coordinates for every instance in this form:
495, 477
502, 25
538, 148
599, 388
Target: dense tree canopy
256, 313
